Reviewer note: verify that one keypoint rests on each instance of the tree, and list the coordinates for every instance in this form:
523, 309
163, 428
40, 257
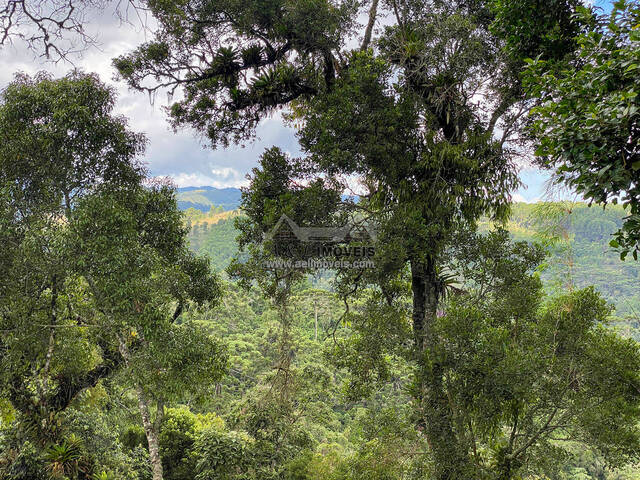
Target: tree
60, 141
237, 61
528, 378
130, 246
96, 269
587, 125
404, 117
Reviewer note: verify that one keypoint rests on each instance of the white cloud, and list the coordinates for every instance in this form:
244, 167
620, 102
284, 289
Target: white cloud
218, 177
518, 198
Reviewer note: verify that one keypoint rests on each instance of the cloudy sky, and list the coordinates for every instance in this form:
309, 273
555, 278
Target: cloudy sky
179, 155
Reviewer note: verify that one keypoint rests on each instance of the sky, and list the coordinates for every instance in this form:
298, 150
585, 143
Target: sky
182, 155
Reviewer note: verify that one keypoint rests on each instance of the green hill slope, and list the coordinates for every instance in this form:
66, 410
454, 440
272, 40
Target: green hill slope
584, 254
203, 198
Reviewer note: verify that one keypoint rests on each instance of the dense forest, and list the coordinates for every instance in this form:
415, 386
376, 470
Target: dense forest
584, 252
313, 429
375, 307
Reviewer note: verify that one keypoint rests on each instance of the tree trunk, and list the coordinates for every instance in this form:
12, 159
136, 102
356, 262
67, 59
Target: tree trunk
315, 310
450, 457
373, 12
151, 429
44, 383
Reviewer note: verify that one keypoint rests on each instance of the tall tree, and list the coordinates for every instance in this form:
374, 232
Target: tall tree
60, 140
523, 374
527, 376
130, 247
426, 121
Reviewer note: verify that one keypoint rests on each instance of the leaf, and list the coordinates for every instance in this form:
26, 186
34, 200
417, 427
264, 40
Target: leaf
603, 170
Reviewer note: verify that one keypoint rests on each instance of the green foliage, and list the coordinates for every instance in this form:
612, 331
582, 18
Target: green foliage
222, 455
580, 255
66, 460
400, 117
99, 438
389, 446
522, 376
374, 352
61, 139
444, 361
178, 435
23, 464
176, 441
532, 32
96, 274
284, 46
217, 243
132, 248
587, 123
61, 142
133, 436
140, 464
586, 231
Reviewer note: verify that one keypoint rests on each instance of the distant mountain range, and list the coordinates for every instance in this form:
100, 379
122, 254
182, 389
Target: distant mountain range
203, 198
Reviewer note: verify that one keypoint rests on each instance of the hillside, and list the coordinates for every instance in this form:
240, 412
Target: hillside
203, 198
214, 235
581, 255
584, 254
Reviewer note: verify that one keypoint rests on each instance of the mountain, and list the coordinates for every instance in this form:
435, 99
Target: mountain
203, 198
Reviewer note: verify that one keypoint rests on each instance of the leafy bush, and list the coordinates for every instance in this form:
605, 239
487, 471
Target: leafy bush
223, 455
24, 463
176, 441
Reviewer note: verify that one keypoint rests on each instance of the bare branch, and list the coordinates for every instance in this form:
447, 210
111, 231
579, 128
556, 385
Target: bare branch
54, 29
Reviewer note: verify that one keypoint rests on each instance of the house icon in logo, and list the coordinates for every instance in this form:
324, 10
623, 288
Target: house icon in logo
287, 230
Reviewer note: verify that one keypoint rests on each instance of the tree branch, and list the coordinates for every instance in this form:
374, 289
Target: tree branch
372, 20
